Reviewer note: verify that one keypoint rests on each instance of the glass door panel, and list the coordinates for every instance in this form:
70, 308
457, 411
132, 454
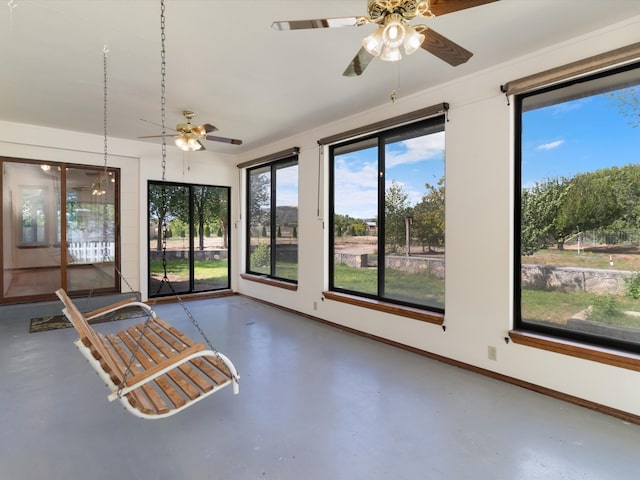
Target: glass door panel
211, 242
31, 229
90, 229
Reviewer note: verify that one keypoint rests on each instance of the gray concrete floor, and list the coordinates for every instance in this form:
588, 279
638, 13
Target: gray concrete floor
314, 403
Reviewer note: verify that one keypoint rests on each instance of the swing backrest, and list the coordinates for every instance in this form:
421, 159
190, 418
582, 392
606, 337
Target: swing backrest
90, 338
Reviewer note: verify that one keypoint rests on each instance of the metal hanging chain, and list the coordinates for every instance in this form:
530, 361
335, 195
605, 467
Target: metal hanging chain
163, 105
163, 99
105, 172
165, 279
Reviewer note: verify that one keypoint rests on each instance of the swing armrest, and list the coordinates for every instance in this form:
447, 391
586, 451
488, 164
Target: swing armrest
130, 302
160, 369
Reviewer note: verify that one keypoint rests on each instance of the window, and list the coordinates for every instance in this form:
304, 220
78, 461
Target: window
189, 230
387, 215
578, 210
272, 220
41, 252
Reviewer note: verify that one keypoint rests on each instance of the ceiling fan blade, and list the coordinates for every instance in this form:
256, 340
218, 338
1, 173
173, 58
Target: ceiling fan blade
359, 63
158, 136
207, 128
232, 141
442, 7
157, 124
442, 47
319, 23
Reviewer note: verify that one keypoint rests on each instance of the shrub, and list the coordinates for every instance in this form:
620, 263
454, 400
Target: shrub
633, 286
604, 308
261, 256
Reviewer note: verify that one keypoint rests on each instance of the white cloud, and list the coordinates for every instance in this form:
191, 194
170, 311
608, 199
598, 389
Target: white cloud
417, 149
356, 189
550, 145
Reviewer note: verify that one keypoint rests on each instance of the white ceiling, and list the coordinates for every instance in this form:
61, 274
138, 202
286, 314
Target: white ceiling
224, 62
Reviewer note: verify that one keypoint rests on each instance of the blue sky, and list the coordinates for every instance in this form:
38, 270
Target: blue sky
411, 163
578, 136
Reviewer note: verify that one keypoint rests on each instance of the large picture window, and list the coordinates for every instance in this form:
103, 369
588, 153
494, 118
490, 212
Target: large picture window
188, 238
578, 210
272, 220
387, 215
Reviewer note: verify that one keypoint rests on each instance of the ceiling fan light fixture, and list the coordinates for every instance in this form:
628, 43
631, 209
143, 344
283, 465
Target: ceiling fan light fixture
373, 43
188, 143
394, 31
413, 40
391, 54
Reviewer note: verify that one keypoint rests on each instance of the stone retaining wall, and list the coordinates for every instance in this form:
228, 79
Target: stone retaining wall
572, 279
569, 279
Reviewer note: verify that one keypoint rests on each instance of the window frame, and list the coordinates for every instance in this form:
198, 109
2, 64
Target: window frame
190, 188
434, 124
273, 167
541, 335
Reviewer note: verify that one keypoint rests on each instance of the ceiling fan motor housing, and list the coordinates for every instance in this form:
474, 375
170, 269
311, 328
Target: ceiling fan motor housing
407, 8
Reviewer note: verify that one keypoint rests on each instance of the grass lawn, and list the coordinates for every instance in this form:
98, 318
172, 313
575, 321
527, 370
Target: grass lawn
594, 258
422, 288
203, 269
558, 307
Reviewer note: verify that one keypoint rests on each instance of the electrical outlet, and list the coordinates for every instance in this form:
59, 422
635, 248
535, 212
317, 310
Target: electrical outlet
492, 353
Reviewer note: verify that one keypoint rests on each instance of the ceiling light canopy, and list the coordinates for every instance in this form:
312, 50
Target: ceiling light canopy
386, 40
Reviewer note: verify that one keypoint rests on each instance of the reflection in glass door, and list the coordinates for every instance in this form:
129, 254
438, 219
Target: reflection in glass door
40, 251
188, 238
90, 229
31, 229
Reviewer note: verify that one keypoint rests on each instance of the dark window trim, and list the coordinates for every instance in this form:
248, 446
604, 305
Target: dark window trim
274, 166
553, 336
436, 119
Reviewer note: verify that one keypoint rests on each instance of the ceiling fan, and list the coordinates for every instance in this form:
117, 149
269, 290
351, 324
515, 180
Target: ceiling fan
394, 31
188, 136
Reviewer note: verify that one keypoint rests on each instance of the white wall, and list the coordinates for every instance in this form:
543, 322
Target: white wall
479, 172
479, 198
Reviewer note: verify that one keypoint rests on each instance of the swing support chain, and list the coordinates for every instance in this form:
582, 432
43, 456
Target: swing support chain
165, 278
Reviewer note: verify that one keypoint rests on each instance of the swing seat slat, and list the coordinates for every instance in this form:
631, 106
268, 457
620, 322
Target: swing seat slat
168, 372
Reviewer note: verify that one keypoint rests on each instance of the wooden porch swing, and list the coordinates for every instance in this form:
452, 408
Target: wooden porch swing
153, 368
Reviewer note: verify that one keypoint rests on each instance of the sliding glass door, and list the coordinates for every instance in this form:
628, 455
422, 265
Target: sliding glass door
59, 226
188, 238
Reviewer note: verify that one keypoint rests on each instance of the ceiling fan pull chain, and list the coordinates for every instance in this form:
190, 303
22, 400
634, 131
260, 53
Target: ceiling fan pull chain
163, 100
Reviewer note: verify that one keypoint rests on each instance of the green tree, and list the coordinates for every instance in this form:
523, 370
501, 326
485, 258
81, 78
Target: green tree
540, 207
628, 102
209, 204
396, 209
166, 202
428, 216
590, 202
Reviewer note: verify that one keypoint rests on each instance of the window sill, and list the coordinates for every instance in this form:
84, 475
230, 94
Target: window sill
585, 351
269, 281
378, 305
